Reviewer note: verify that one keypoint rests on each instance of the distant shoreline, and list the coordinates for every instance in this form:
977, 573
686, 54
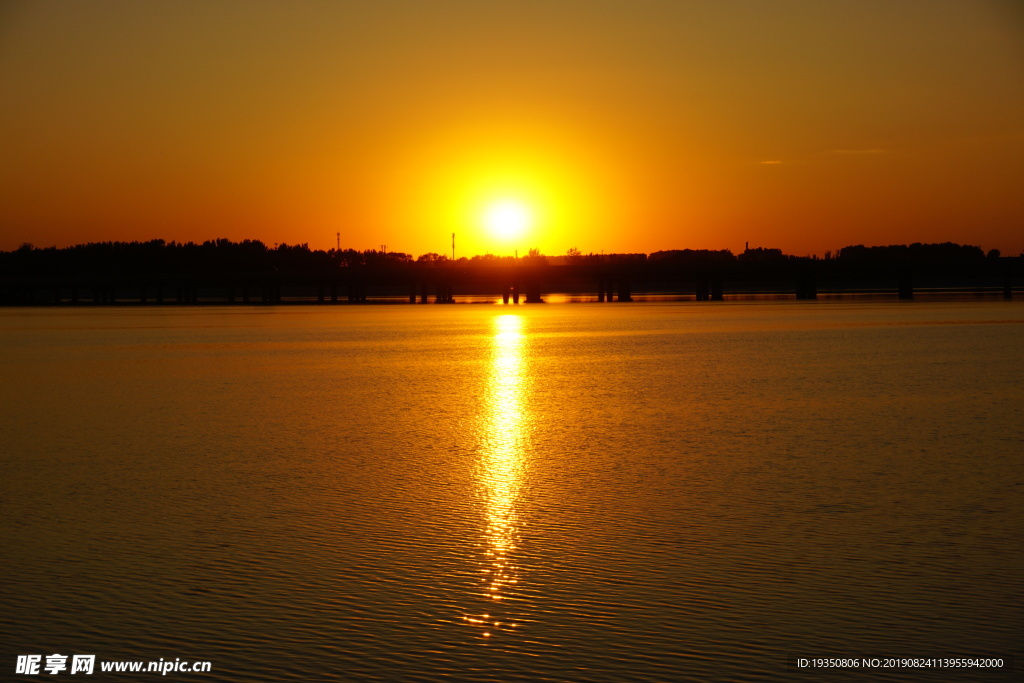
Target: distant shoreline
224, 272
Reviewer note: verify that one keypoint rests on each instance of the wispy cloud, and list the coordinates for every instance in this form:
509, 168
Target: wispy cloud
857, 151
770, 163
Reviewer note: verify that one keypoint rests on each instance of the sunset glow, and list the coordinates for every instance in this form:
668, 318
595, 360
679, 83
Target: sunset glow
620, 128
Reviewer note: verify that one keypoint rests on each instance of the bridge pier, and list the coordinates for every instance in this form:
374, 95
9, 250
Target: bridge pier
606, 289
533, 292
717, 290
708, 288
625, 292
510, 292
906, 288
356, 292
806, 289
445, 293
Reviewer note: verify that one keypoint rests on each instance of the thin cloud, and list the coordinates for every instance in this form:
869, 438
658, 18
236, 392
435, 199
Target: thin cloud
858, 151
770, 163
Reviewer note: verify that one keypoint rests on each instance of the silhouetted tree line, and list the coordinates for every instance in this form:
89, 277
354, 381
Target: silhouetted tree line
895, 253
253, 256
696, 258
212, 256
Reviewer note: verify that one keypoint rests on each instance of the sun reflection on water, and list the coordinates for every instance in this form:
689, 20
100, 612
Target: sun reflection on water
501, 471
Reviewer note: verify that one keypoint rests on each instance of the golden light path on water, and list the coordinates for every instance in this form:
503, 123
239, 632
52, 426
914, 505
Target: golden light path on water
501, 470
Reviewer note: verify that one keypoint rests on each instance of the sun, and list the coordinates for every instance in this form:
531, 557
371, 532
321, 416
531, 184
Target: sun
507, 219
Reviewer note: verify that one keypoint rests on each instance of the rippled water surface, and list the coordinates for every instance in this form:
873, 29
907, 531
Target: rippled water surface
636, 492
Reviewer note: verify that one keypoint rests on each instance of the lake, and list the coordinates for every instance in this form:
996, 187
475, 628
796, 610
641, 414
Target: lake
561, 492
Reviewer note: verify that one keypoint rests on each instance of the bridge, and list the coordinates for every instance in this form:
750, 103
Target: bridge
419, 283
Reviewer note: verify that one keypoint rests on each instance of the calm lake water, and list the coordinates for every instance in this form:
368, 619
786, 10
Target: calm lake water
617, 492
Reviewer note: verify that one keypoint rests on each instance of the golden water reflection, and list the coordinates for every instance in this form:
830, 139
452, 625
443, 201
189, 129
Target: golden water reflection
501, 470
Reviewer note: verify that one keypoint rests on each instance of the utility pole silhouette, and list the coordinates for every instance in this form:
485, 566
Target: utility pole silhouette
338, 237
453, 246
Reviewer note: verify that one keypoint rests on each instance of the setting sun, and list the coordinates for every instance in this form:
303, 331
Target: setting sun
507, 219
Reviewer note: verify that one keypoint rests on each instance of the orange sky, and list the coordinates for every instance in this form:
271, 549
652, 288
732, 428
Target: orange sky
624, 126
